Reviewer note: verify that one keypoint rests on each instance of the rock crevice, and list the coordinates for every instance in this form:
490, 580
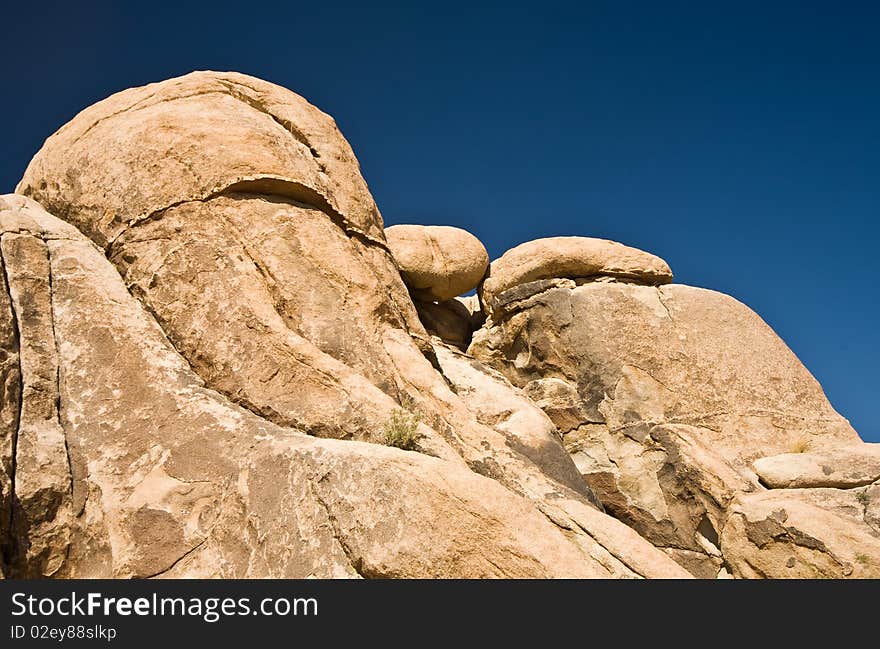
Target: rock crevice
41, 484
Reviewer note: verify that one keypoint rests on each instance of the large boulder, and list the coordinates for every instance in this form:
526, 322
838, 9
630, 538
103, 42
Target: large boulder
288, 311
236, 211
275, 302
135, 154
269, 274
665, 395
128, 466
437, 262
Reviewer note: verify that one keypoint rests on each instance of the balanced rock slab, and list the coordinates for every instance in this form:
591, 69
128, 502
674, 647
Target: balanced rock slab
572, 257
437, 262
843, 467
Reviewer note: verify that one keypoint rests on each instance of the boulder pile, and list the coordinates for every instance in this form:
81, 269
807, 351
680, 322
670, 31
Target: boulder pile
216, 361
439, 264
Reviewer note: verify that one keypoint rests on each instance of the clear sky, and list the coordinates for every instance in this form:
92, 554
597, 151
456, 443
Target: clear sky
738, 140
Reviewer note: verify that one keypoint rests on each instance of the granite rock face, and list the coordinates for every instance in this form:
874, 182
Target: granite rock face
128, 466
210, 345
270, 278
665, 395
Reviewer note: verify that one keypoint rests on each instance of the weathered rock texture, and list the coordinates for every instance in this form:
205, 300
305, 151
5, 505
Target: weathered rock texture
664, 395
205, 337
130, 157
234, 208
235, 213
140, 470
569, 257
844, 468
437, 262
804, 534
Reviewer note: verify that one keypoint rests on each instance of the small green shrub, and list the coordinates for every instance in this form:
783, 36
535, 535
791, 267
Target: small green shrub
401, 430
863, 498
863, 559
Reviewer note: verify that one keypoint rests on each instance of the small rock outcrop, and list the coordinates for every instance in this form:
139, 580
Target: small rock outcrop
437, 262
804, 534
843, 467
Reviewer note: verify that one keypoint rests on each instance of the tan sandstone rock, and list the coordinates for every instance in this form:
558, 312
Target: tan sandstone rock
665, 396
268, 272
498, 404
192, 138
299, 285
219, 295
570, 257
437, 262
643, 355
803, 534
560, 400
164, 477
844, 467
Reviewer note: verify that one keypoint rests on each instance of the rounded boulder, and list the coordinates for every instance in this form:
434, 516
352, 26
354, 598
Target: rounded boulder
437, 262
130, 157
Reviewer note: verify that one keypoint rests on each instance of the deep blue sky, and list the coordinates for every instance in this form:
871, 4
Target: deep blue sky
739, 141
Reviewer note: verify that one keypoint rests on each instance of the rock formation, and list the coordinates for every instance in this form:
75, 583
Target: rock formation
437, 262
665, 395
575, 257
210, 346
